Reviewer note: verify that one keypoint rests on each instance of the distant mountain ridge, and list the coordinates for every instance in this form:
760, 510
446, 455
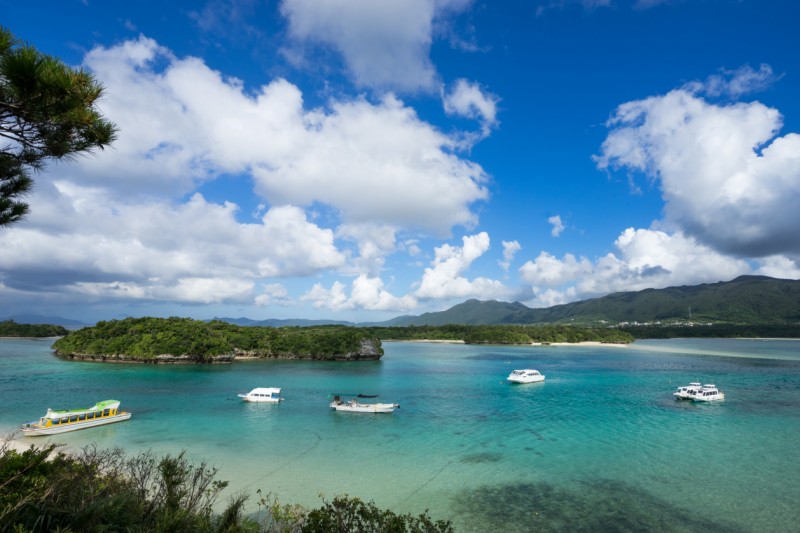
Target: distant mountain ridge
279, 323
744, 300
27, 318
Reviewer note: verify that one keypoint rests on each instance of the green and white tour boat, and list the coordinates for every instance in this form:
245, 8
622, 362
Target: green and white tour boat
105, 412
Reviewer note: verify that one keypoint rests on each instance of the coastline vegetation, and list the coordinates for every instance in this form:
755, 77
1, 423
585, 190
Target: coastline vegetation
730, 331
44, 489
9, 328
152, 339
146, 339
503, 334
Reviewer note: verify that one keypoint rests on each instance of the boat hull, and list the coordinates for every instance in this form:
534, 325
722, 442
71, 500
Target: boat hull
718, 398
527, 375
75, 426
259, 400
365, 408
683, 396
522, 381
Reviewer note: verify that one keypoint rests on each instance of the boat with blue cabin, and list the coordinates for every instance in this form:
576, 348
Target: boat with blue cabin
61, 421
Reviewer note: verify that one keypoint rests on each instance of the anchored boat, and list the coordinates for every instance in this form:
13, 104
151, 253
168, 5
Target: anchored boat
687, 392
525, 376
709, 393
354, 406
263, 395
100, 414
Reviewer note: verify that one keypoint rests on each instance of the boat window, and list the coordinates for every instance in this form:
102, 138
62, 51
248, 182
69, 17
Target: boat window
56, 421
64, 420
73, 418
106, 411
82, 416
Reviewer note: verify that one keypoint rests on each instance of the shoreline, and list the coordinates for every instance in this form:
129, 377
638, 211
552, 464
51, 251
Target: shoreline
583, 343
453, 341
432, 341
13, 441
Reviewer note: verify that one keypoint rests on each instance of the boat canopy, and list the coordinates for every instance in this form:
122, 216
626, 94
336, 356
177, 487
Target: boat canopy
99, 406
265, 390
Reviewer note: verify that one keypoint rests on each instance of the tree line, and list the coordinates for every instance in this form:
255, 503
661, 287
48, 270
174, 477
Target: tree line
729, 331
149, 337
9, 328
502, 334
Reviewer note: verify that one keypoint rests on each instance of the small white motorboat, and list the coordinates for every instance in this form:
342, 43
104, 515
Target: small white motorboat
687, 392
709, 393
354, 406
263, 395
525, 376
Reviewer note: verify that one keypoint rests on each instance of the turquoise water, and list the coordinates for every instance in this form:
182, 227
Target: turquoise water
601, 445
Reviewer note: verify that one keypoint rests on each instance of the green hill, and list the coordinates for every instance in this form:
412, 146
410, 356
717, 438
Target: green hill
471, 312
744, 300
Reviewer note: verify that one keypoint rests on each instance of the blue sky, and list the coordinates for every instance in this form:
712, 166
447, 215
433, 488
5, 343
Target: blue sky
358, 159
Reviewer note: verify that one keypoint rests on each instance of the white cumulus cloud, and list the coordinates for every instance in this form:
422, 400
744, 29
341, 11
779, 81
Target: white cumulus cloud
444, 278
365, 293
129, 222
645, 258
470, 100
510, 249
384, 44
737, 82
727, 179
558, 225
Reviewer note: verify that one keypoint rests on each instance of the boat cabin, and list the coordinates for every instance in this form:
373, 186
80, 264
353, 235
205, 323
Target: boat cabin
263, 394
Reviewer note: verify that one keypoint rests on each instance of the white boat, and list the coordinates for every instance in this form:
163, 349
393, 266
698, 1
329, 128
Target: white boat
687, 392
100, 414
354, 406
263, 395
709, 393
525, 376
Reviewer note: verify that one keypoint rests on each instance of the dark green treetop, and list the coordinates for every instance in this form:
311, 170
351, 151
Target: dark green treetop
47, 111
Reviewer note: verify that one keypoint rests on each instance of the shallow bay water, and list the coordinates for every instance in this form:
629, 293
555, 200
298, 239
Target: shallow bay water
601, 445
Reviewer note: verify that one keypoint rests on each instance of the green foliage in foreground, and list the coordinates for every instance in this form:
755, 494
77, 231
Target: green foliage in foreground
502, 334
146, 338
103, 490
9, 328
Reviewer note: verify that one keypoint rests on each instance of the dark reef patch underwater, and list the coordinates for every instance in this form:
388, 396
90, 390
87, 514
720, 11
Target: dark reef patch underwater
599, 505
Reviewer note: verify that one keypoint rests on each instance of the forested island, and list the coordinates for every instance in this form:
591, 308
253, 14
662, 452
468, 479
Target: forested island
175, 340
9, 328
178, 340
